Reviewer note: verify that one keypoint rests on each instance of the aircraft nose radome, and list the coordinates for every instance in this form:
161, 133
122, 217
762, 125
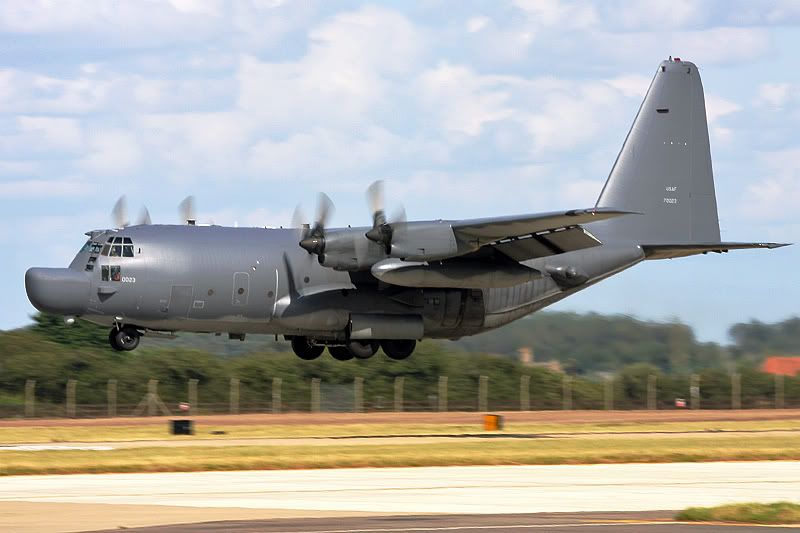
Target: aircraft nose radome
58, 290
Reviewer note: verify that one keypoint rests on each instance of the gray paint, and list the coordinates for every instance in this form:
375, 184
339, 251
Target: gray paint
664, 168
439, 278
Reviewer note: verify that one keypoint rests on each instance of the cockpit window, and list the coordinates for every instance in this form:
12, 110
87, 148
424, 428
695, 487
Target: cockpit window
86, 247
118, 247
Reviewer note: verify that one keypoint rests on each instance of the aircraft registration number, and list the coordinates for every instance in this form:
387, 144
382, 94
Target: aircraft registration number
128, 279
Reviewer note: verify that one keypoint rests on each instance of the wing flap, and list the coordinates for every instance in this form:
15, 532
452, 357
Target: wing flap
547, 243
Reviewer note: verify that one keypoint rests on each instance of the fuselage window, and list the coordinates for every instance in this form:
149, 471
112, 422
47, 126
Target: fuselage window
110, 273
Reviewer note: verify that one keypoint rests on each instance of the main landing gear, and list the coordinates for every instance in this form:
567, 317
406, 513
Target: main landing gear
307, 350
124, 339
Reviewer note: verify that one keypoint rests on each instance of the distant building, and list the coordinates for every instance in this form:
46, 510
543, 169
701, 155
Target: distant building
787, 366
527, 359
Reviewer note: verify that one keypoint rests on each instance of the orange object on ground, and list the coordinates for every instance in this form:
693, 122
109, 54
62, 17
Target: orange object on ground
492, 422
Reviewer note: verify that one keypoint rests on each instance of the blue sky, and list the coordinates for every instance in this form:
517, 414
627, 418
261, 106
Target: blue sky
466, 109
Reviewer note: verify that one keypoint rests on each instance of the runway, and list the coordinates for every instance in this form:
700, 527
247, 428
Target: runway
489, 490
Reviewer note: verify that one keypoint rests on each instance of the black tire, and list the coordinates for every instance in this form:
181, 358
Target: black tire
398, 349
340, 353
363, 349
124, 339
306, 351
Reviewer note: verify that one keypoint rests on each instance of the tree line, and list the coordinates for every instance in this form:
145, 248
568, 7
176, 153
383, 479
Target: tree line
51, 354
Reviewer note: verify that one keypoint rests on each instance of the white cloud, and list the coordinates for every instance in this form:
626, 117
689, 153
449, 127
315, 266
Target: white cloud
111, 152
560, 14
775, 95
776, 196
38, 188
56, 133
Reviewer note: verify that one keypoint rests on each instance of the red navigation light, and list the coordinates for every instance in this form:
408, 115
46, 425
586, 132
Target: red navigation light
677, 59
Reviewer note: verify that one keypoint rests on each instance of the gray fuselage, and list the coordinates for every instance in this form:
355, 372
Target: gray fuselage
258, 280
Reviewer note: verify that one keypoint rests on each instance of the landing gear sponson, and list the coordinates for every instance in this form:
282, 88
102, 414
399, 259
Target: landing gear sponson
308, 350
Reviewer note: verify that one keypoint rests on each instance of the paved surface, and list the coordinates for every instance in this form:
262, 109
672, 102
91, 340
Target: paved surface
441, 490
582, 522
558, 416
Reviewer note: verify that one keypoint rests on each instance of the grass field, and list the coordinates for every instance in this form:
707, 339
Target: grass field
55, 434
553, 450
750, 513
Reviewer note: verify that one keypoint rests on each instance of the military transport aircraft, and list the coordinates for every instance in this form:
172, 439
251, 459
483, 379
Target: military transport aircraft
356, 289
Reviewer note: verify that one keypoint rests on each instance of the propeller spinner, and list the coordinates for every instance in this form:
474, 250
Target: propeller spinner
314, 241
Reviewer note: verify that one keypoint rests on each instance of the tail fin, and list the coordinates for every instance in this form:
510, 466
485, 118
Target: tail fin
664, 168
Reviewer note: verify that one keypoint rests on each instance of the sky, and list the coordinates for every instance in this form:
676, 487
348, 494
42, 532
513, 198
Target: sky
464, 108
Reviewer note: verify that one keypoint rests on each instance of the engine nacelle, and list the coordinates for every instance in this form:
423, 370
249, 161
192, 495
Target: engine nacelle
424, 241
348, 249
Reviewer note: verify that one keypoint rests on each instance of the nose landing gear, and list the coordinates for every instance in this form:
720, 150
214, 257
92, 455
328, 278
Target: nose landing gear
124, 339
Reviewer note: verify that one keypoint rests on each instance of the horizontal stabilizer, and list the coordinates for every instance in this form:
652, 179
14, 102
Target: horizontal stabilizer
672, 251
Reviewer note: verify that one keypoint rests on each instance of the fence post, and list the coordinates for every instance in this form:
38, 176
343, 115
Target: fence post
779, 382
652, 392
111, 397
608, 404
193, 407
736, 391
234, 396
483, 393
358, 395
443, 393
525, 393
30, 398
694, 391
276, 395
315, 400
399, 381
566, 390
70, 408
152, 394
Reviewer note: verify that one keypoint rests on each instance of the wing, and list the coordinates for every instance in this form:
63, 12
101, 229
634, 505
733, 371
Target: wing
529, 236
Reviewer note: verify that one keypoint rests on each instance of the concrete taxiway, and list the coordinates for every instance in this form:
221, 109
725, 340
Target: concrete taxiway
398, 491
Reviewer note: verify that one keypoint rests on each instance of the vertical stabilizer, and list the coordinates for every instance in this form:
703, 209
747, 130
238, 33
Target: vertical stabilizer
664, 168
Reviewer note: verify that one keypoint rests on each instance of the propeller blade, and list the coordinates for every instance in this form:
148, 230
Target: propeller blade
186, 211
144, 217
119, 213
299, 222
375, 201
325, 210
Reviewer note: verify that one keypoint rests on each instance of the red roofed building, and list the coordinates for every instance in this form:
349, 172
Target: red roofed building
788, 366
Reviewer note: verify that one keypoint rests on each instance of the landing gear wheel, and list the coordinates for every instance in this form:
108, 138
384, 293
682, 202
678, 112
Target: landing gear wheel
398, 349
340, 353
305, 350
363, 349
124, 339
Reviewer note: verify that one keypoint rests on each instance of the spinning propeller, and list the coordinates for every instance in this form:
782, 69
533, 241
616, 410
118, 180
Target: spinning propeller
119, 213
